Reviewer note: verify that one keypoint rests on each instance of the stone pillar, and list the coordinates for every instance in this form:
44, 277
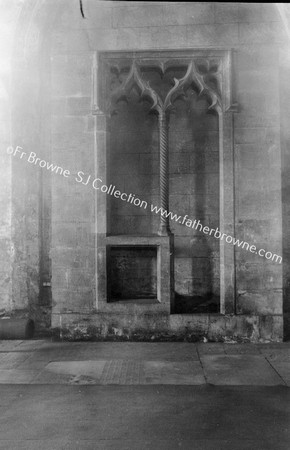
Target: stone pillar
164, 229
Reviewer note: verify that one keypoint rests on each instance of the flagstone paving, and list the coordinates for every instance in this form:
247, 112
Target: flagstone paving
143, 396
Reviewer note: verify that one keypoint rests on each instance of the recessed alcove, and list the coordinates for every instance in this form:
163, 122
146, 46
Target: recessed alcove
167, 143
134, 167
132, 273
194, 191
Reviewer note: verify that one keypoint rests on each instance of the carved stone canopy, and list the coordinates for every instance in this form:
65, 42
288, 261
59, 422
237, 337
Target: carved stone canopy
206, 72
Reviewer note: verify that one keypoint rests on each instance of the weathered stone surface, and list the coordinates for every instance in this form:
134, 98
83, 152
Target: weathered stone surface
54, 233
241, 368
252, 301
122, 372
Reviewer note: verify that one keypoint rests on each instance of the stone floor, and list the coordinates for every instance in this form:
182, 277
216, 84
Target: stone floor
109, 395
45, 362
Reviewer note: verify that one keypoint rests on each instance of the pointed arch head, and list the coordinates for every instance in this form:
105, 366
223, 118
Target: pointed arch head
133, 79
193, 77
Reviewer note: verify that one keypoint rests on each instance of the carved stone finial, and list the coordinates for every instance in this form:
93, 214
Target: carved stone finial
192, 76
135, 78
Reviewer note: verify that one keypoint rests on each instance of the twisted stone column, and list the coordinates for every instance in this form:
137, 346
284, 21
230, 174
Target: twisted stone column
164, 229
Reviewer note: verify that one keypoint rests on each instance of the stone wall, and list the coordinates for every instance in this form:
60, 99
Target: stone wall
9, 14
255, 33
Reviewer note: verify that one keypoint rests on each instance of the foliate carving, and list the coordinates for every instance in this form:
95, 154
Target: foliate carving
203, 74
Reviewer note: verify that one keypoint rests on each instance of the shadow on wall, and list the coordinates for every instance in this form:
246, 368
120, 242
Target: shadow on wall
206, 300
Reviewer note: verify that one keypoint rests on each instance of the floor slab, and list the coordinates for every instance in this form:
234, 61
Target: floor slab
164, 444
165, 351
15, 376
11, 360
123, 372
283, 368
239, 370
83, 396
147, 413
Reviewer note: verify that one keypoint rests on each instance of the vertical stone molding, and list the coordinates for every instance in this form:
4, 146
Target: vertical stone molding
227, 260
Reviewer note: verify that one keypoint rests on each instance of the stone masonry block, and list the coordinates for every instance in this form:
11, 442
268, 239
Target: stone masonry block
58, 106
201, 35
259, 33
255, 102
179, 163
61, 41
128, 38
253, 231
238, 12
259, 276
73, 65
68, 124
78, 257
256, 80
192, 267
120, 208
226, 12
196, 246
260, 302
79, 301
142, 16
133, 225
66, 209
256, 57
161, 37
179, 204
98, 15
66, 140
63, 235
270, 12
256, 135
162, 15
247, 119
254, 156
148, 163
78, 106
177, 183
191, 13
140, 187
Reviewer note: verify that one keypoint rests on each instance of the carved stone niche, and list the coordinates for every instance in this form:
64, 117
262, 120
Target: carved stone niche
136, 92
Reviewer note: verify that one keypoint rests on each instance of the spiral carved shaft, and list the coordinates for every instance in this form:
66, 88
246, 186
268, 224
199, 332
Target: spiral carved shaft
164, 172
